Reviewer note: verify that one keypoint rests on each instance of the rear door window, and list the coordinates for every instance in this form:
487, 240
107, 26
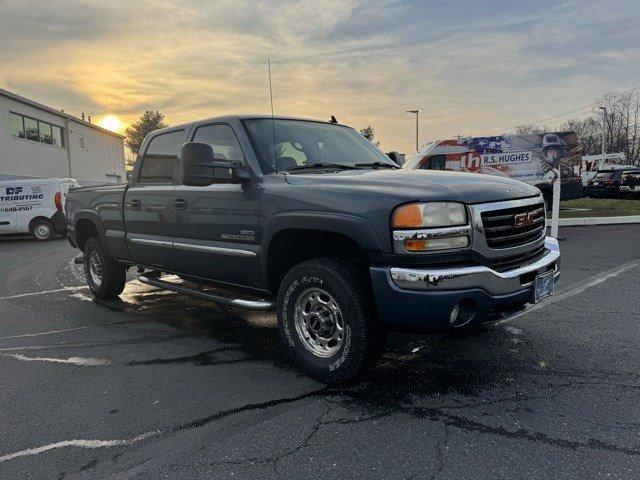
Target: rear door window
157, 169
161, 158
166, 144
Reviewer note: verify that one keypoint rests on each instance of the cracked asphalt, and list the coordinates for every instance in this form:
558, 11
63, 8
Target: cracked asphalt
158, 385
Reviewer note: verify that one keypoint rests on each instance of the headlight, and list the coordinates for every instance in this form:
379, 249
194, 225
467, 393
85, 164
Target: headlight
425, 227
429, 215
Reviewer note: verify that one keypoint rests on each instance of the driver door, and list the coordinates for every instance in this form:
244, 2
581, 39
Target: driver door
217, 231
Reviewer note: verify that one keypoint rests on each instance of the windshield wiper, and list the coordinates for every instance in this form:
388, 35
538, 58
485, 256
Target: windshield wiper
376, 165
319, 166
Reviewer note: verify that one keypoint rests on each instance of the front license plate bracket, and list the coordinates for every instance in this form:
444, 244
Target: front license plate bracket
544, 286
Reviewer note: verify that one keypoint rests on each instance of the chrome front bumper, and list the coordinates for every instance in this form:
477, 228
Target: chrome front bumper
485, 278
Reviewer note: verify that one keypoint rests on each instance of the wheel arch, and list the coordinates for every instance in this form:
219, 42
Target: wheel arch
88, 224
294, 237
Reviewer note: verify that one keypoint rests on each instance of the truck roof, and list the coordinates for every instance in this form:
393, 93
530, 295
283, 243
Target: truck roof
227, 118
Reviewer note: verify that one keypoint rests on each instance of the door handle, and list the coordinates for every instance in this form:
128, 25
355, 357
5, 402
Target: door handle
180, 203
134, 203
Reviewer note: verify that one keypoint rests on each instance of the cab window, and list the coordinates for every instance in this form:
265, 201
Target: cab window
161, 158
166, 144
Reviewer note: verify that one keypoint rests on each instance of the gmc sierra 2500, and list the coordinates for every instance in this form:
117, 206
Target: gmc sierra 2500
311, 218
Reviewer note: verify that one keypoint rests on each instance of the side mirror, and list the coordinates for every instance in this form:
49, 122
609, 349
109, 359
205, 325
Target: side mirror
202, 168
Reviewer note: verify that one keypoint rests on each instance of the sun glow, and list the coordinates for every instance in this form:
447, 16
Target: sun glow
113, 123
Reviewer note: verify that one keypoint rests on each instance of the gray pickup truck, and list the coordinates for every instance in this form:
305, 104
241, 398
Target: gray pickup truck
311, 219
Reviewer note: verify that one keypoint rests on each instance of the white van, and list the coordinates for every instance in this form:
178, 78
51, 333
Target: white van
34, 206
528, 158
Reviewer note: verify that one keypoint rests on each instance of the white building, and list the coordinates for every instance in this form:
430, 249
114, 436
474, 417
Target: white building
39, 141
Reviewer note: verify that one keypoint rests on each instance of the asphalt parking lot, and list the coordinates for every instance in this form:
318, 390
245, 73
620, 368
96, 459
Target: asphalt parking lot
159, 385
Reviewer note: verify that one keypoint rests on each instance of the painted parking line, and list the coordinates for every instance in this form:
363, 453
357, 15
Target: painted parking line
572, 292
64, 330
79, 444
46, 292
80, 361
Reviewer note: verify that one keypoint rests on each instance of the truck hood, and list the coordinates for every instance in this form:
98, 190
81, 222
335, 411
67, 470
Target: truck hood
421, 184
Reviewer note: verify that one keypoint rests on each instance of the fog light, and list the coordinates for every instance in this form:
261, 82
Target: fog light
453, 316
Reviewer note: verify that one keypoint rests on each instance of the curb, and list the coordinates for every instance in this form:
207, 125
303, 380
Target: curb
576, 222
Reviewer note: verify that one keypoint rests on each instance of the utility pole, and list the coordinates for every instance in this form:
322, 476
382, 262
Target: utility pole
604, 126
417, 114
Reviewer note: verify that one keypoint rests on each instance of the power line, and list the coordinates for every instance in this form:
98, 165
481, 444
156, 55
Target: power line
577, 112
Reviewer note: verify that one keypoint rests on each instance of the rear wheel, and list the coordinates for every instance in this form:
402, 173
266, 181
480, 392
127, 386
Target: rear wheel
105, 277
42, 230
327, 320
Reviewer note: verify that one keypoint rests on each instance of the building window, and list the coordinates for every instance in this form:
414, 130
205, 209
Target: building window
31, 129
35, 130
56, 136
80, 142
16, 122
46, 135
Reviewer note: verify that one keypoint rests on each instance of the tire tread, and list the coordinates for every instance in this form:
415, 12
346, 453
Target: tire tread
372, 339
114, 275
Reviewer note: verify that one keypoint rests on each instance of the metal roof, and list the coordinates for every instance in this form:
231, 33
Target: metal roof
32, 103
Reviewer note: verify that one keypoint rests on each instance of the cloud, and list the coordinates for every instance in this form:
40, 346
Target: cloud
473, 66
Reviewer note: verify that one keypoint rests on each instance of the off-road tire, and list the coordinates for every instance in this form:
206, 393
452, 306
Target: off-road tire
114, 275
364, 338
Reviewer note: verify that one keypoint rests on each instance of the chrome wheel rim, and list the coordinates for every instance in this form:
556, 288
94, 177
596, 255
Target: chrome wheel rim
95, 268
319, 322
42, 230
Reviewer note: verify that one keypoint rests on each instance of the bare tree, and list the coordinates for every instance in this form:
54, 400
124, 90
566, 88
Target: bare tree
623, 123
589, 132
531, 129
622, 126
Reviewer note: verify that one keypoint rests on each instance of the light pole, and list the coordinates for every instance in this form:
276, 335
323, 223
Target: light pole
417, 114
604, 126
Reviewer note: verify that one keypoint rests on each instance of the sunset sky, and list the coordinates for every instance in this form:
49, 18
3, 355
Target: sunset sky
472, 66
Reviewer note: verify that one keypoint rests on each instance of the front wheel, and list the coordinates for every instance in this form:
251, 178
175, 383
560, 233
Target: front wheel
42, 230
105, 277
327, 320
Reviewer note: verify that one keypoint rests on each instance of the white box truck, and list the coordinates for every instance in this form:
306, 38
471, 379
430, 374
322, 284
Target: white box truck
34, 206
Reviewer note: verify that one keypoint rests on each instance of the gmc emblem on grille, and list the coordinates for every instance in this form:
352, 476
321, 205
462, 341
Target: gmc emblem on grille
522, 220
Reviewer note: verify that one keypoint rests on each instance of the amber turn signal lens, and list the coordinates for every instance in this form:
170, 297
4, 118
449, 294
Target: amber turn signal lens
407, 216
415, 245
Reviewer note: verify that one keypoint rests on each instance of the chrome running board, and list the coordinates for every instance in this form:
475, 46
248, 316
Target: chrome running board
251, 304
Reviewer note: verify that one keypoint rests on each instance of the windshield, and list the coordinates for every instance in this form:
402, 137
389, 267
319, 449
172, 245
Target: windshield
414, 159
303, 144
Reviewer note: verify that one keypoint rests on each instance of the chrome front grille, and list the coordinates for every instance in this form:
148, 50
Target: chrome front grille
512, 227
512, 262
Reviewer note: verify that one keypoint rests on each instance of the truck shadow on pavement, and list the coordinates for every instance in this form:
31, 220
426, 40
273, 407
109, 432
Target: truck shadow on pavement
459, 365
493, 380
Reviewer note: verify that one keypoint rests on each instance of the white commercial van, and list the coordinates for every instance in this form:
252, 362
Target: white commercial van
34, 206
528, 158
